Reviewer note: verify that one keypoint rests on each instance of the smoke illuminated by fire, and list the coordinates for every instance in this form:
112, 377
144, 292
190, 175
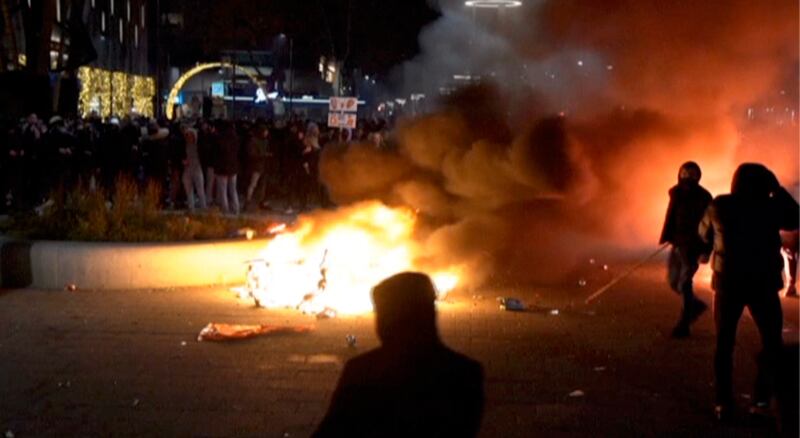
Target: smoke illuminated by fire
329, 261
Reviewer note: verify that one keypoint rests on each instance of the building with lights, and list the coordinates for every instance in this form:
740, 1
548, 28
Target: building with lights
93, 55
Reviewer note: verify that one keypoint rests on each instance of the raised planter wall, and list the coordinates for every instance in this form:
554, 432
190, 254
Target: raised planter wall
90, 265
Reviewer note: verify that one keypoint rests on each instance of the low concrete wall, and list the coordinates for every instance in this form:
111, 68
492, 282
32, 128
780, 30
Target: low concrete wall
90, 265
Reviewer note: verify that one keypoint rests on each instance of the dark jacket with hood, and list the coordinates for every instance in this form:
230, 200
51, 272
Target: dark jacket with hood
744, 226
687, 203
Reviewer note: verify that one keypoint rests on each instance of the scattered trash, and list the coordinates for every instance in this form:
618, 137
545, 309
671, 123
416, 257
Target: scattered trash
746, 396
591, 261
554, 312
326, 313
351, 341
599, 369
224, 332
286, 435
135, 402
511, 304
577, 393
9, 434
183, 343
605, 267
581, 282
71, 287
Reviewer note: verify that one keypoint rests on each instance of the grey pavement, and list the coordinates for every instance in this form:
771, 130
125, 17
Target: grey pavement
94, 363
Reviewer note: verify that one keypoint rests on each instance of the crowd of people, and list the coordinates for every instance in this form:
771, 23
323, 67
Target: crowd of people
234, 165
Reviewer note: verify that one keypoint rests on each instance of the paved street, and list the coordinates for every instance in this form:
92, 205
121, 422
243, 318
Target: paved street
90, 363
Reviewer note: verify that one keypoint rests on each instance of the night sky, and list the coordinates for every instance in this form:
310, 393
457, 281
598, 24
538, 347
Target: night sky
382, 33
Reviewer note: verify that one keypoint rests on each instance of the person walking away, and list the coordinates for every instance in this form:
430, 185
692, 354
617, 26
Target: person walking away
227, 168
193, 172
744, 229
688, 201
412, 385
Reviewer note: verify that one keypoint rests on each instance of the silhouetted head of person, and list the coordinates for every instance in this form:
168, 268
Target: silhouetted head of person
753, 181
405, 313
689, 174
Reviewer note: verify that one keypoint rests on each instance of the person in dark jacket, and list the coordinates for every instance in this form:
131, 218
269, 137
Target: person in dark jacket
744, 228
227, 168
687, 203
412, 385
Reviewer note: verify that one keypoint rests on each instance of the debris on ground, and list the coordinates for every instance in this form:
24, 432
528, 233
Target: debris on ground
183, 343
9, 434
71, 287
135, 402
554, 312
599, 369
581, 282
577, 393
511, 304
327, 313
351, 340
224, 332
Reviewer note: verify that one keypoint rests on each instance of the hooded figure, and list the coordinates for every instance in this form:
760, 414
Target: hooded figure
687, 203
412, 385
744, 229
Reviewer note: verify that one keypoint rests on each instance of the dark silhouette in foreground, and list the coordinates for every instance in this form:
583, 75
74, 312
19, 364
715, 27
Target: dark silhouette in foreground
412, 385
744, 228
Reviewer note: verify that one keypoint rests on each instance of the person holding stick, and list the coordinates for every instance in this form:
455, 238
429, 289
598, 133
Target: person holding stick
688, 201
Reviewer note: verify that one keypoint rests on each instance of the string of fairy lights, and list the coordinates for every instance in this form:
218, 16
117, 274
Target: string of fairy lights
105, 93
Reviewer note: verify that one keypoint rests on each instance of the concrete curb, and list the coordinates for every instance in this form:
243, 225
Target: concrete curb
120, 266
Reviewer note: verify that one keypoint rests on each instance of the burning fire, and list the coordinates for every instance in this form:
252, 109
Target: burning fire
329, 261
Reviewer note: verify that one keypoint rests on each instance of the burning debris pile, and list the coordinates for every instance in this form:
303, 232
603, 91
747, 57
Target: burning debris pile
328, 262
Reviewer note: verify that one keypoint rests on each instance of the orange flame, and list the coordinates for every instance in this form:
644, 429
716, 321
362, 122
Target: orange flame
331, 260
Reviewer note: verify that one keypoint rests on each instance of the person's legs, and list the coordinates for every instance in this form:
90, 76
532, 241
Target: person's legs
674, 270
233, 194
222, 192
209, 183
685, 265
728, 309
197, 184
254, 178
765, 308
187, 188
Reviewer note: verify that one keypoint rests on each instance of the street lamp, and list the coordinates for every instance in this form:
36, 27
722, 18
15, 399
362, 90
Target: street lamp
493, 4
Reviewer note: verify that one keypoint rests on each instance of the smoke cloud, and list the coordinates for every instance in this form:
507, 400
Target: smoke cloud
584, 113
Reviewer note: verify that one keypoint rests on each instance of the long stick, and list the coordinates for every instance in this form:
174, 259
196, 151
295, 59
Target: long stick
623, 275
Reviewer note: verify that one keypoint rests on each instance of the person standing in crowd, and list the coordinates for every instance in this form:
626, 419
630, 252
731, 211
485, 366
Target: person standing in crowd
227, 168
176, 154
193, 171
687, 203
258, 151
412, 385
744, 229
208, 149
309, 187
155, 155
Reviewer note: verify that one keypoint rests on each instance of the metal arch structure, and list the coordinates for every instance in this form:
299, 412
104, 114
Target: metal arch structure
176, 88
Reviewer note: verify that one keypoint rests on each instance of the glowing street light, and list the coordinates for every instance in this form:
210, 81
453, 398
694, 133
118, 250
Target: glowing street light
493, 4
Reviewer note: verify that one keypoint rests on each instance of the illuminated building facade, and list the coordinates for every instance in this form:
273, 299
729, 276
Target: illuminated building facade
94, 53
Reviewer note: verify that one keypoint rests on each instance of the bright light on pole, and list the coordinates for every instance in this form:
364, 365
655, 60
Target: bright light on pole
493, 4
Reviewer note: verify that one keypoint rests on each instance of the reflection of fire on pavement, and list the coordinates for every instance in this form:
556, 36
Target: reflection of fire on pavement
328, 262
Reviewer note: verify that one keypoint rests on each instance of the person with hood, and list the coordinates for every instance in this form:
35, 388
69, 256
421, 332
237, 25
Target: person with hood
744, 229
688, 201
412, 385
